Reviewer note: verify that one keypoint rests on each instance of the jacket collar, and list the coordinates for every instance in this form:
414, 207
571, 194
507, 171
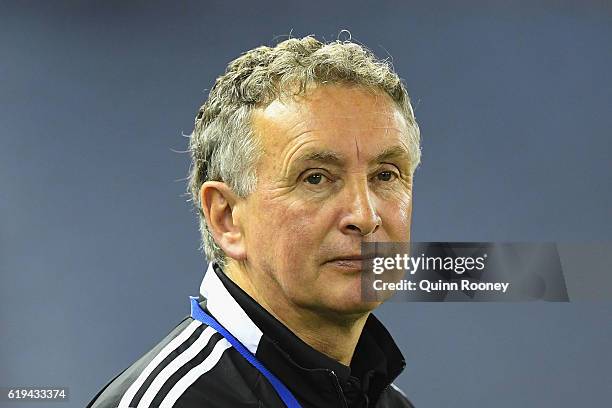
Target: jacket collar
314, 377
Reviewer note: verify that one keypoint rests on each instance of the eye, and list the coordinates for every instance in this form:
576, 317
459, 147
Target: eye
314, 178
386, 175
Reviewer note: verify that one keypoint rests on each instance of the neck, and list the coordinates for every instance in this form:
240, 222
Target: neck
333, 334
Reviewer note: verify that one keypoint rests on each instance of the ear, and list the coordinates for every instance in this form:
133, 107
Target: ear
220, 204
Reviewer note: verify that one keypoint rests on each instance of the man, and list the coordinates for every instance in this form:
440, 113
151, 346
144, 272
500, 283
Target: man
301, 153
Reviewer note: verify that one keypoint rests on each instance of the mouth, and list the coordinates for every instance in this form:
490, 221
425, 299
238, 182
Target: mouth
350, 262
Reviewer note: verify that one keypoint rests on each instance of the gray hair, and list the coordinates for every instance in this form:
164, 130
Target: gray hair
223, 146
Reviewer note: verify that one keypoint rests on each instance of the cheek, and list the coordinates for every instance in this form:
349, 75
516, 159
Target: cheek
294, 241
396, 217
291, 230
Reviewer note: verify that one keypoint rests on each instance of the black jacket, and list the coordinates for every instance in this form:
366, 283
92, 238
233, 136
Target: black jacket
194, 366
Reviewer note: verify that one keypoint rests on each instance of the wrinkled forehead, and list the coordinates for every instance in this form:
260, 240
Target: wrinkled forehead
333, 114
338, 102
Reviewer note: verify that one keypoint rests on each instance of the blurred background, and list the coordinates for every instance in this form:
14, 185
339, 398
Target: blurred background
99, 246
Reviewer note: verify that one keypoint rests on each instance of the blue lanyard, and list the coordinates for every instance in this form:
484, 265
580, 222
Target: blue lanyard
283, 392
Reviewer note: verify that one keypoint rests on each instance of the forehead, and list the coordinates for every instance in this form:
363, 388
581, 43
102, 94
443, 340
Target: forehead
335, 117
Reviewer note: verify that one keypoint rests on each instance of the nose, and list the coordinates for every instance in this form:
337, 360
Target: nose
361, 217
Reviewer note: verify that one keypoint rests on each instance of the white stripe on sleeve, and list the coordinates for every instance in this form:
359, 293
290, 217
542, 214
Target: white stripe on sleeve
169, 348
195, 373
174, 366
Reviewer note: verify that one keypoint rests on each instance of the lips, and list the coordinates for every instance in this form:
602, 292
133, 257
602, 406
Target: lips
351, 257
349, 262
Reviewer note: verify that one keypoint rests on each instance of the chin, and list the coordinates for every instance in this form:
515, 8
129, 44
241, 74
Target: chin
356, 307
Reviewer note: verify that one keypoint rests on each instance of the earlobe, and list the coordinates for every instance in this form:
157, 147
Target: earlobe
219, 205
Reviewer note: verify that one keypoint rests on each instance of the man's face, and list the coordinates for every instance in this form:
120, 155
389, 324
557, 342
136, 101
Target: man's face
335, 171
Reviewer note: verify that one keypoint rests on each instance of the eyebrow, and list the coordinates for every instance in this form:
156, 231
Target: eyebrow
392, 153
324, 157
332, 158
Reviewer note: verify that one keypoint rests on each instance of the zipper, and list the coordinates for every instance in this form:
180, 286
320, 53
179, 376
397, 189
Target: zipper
338, 388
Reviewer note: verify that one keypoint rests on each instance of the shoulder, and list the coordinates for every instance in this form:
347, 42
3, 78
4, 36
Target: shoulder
394, 397
191, 361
